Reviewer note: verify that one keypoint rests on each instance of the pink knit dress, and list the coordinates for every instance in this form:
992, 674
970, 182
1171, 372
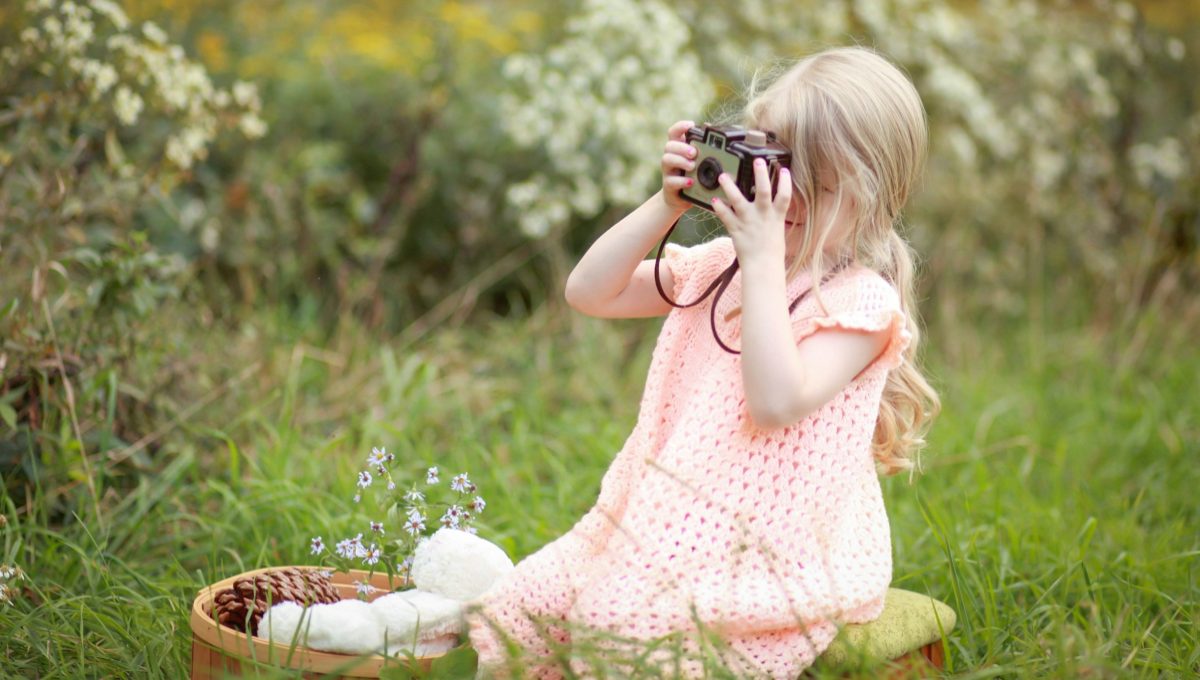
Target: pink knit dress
770, 538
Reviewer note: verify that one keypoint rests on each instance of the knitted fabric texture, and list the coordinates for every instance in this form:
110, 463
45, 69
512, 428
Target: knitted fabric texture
770, 537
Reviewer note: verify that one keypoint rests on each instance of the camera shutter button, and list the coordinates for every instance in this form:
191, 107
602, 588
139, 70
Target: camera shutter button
756, 138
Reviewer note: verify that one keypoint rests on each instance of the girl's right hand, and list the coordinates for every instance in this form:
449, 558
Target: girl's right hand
678, 158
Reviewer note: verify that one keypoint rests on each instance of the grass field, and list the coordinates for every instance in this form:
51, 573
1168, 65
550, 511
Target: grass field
1057, 513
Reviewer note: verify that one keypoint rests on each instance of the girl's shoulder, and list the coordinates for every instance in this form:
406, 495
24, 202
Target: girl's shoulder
694, 266
720, 247
858, 288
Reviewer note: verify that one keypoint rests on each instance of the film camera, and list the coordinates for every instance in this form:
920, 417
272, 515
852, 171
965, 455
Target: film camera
730, 149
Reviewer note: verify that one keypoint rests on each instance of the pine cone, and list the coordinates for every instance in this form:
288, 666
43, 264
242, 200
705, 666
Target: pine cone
249, 598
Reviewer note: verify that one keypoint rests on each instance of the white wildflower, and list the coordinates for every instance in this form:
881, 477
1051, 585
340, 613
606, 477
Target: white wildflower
112, 12
431, 475
178, 153
478, 504
318, 546
377, 456
1165, 160
245, 94
452, 518
153, 33
102, 76
377, 527
1176, 49
252, 126
371, 555
360, 550
414, 496
415, 523
364, 588
127, 105
364, 479
460, 483
78, 33
52, 27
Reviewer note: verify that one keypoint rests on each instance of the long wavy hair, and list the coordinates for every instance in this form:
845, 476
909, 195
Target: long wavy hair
850, 114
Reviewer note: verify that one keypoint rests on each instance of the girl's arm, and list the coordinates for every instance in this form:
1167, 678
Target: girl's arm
613, 279
784, 382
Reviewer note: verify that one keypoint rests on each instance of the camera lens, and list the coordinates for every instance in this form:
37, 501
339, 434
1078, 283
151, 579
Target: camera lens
708, 172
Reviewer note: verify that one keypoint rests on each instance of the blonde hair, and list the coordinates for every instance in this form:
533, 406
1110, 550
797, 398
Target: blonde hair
851, 114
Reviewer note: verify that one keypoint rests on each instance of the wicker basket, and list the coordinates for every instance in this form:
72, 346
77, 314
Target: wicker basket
219, 652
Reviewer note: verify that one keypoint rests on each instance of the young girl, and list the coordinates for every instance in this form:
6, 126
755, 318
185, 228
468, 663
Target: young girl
746, 502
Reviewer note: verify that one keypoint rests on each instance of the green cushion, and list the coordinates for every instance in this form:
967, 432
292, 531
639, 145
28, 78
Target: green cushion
909, 621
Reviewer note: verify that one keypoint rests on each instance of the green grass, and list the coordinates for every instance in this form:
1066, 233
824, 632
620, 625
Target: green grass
1056, 514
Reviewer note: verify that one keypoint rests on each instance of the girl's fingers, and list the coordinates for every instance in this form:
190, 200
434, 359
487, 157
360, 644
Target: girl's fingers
679, 129
762, 181
671, 162
681, 148
677, 182
736, 200
724, 213
783, 192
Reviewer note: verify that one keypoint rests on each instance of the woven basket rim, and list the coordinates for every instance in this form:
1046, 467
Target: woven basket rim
239, 645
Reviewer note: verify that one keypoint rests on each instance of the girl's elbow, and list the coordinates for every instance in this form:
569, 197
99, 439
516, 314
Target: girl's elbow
778, 415
573, 292
770, 418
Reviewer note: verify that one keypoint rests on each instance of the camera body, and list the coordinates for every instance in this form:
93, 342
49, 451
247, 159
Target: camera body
730, 149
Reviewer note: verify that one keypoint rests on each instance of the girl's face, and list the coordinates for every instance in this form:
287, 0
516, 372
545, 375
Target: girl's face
798, 214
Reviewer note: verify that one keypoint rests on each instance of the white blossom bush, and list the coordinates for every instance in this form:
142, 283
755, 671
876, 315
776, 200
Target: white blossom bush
102, 70
99, 119
595, 108
1044, 152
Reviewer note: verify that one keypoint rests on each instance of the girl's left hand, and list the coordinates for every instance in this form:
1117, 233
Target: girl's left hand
756, 227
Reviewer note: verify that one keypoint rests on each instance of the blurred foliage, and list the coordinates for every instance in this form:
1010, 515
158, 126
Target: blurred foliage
386, 159
100, 122
418, 144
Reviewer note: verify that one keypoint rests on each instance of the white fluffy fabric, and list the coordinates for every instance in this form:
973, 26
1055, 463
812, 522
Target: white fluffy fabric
458, 565
347, 627
411, 616
449, 568
412, 620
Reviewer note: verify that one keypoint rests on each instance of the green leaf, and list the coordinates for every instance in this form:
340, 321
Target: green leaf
8, 415
9, 308
113, 150
457, 664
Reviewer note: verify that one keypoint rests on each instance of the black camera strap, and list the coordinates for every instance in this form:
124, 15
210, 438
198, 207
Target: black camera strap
718, 285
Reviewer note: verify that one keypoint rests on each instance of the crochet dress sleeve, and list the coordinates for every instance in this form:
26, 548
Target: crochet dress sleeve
867, 302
